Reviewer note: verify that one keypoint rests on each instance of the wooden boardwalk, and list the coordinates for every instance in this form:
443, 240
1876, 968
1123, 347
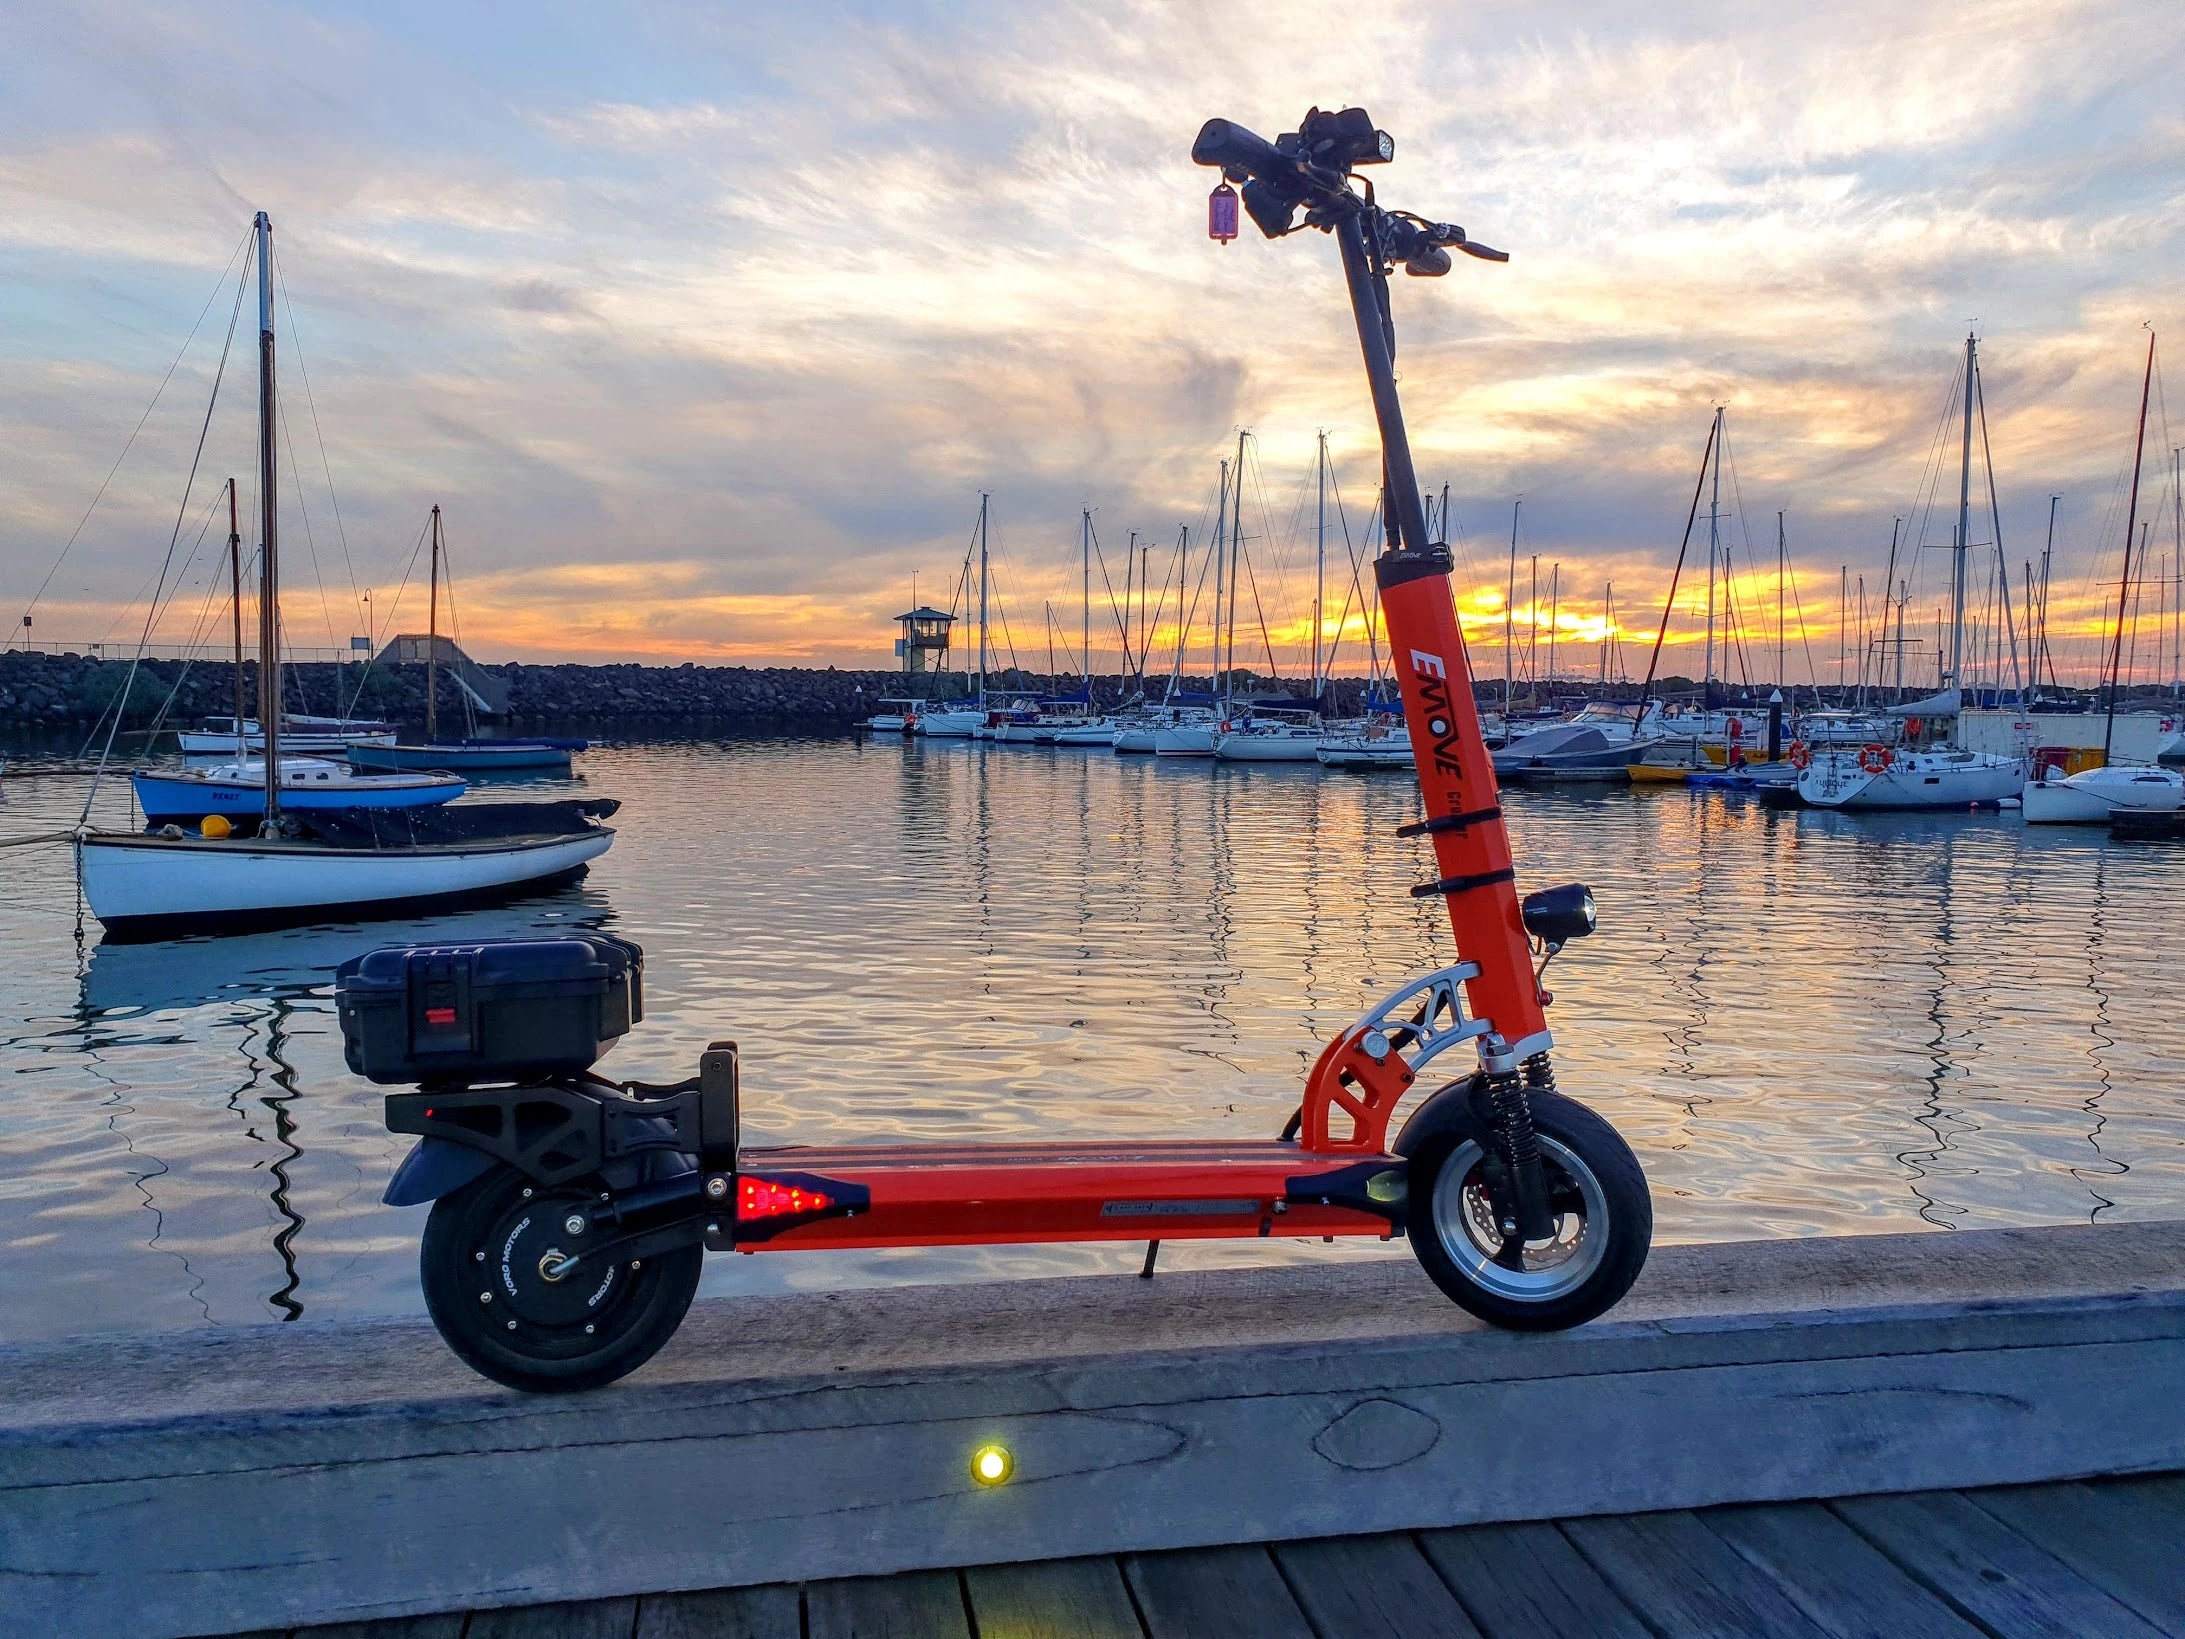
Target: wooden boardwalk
2080, 1560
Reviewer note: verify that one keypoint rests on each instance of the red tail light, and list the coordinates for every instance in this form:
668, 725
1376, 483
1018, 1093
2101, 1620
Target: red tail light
763, 1198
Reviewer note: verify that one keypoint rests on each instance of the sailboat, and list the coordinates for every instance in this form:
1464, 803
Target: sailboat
1879, 775
1188, 729
2094, 796
473, 756
959, 721
236, 789
347, 863
1275, 733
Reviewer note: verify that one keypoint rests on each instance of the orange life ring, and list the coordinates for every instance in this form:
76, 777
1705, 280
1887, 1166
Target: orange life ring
1801, 755
1875, 758
1914, 727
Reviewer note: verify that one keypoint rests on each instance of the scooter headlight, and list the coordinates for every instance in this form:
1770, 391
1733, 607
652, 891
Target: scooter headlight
1559, 915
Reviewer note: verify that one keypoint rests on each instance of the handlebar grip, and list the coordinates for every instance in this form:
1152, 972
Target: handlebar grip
1221, 142
1486, 253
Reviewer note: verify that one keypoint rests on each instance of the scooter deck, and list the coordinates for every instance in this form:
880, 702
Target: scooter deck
980, 1194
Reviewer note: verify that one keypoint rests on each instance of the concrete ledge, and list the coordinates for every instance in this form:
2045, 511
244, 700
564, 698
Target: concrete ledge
208, 1482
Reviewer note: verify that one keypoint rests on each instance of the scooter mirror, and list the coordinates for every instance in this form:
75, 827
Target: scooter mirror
1558, 915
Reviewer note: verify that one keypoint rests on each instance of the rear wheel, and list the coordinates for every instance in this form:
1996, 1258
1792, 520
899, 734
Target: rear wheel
500, 1287
1604, 1221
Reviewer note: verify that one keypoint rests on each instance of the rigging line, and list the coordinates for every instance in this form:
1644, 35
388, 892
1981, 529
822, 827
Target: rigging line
1729, 573
295, 349
204, 616
455, 628
394, 615
151, 611
181, 576
218, 285
1646, 689
1122, 635
1274, 672
311, 546
1995, 520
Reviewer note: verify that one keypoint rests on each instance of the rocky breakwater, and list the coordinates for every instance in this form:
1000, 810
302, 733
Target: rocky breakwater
56, 690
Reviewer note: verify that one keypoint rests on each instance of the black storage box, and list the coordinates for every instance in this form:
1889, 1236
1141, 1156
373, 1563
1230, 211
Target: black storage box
504, 1010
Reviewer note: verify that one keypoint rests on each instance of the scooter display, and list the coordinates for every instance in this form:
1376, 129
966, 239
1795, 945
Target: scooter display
570, 1213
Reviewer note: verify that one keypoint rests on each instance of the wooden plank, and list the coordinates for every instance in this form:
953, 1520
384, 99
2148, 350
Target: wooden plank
447, 1625
571, 1619
916, 1605
1683, 1579
1378, 1587
1522, 1581
1986, 1569
1835, 1575
2131, 1552
775, 1612
1213, 1593
2164, 1491
1052, 1599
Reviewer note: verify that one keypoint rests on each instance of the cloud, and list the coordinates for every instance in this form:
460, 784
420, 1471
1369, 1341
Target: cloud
767, 299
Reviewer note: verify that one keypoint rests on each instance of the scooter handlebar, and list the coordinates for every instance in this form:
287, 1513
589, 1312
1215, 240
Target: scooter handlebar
1225, 143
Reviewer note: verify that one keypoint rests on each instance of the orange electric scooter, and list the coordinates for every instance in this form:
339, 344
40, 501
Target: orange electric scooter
571, 1214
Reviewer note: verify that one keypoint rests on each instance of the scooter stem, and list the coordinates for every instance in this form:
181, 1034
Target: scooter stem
1426, 643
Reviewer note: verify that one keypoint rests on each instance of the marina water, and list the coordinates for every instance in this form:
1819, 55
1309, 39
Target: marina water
1806, 1023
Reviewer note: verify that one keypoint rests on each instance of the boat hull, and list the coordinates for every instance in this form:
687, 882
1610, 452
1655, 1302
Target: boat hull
185, 799
950, 725
2085, 800
300, 742
473, 759
1268, 748
1185, 740
1924, 781
149, 887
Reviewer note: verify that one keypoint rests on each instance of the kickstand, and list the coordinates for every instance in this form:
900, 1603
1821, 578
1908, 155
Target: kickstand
1153, 1250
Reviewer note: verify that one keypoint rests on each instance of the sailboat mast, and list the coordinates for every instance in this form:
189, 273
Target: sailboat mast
2040, 653
1221, 535
1236, 556
1084, 654
235, 595
2131, 521
1608, 624
1714, 537
1781, 552
982, 599
1964, 527
1555, 614
269, 585
1320, 560
1509, 613
432, 636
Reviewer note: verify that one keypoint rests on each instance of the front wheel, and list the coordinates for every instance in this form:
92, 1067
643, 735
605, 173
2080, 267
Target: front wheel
1604, 1222
500, 1288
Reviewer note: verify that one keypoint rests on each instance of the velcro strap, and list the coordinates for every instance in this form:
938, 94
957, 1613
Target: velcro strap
1464, 884
1448, 822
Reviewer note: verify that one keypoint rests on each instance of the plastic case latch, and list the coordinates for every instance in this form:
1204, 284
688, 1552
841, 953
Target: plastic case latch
443, 1018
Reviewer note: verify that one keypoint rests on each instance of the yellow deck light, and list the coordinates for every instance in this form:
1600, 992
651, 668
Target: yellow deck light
992, 1465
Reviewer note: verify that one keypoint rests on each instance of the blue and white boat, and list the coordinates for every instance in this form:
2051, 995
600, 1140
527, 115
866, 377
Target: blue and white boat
308, 784
464, 756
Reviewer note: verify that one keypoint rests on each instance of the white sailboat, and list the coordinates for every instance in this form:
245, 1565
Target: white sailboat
1193, 731
351, 862
1275, 734
961, 720
2094, 796
1879, 775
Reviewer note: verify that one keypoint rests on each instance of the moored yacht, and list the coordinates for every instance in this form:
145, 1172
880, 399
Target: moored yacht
1600, 742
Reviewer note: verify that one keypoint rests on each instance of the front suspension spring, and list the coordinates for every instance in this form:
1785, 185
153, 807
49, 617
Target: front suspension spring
1510, 1097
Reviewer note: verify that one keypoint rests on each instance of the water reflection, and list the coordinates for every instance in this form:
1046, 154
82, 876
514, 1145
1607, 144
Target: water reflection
1806, 1022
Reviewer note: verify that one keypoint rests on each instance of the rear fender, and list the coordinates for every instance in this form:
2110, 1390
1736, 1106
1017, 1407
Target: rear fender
433, 1168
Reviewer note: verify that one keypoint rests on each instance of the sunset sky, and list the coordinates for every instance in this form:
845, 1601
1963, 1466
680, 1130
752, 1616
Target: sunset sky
707, 325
